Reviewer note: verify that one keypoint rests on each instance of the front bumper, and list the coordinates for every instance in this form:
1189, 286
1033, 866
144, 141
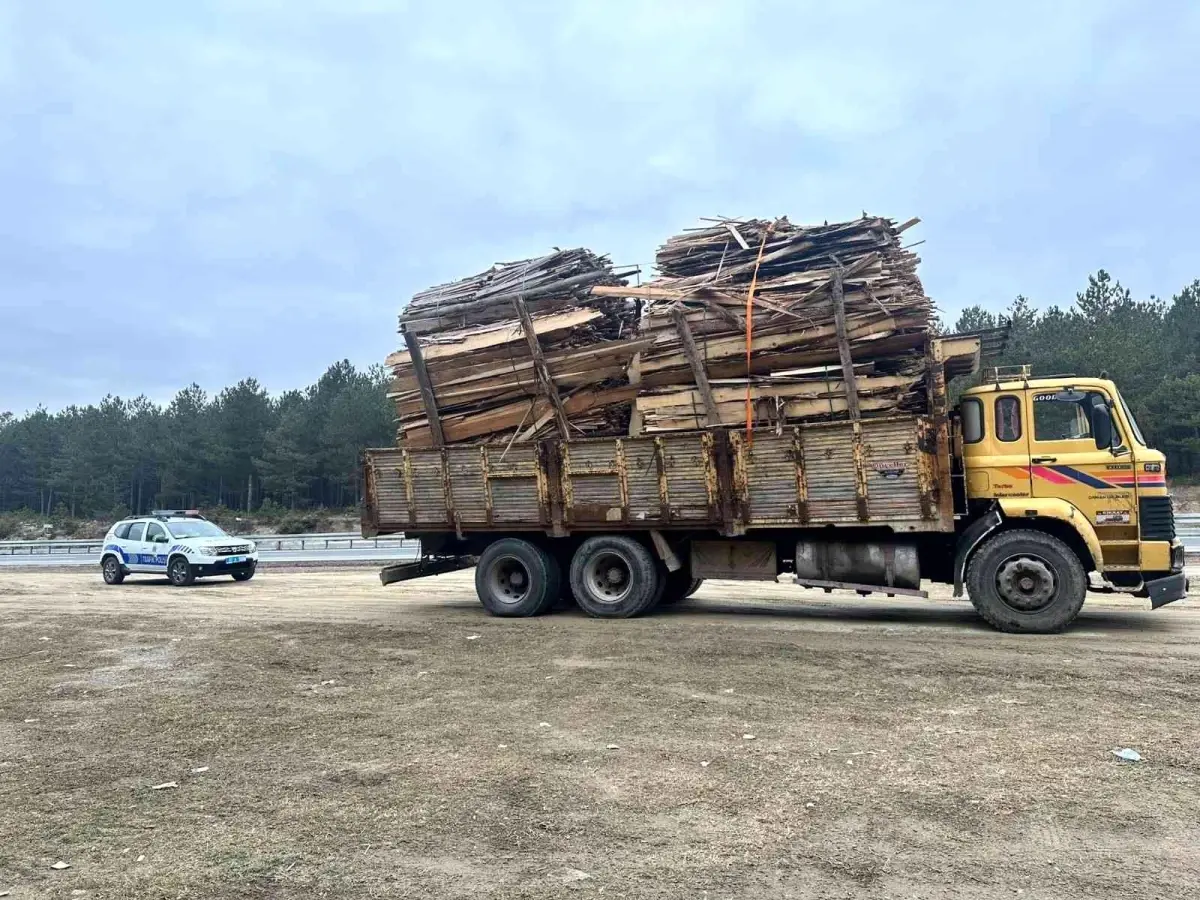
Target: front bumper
207, 567
1167, 590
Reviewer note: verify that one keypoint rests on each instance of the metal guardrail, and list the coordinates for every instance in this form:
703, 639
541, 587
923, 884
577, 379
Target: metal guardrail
334, 540
1187, 528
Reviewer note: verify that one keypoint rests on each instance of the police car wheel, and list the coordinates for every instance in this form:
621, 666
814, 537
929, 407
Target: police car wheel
180, 573
111, 569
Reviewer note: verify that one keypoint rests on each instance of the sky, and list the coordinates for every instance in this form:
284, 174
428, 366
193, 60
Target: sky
211, 190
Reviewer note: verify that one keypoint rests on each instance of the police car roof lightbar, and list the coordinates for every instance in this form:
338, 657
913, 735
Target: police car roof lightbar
176, 514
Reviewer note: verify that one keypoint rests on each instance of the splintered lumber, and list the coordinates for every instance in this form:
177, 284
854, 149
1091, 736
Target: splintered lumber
520, 331
843, 342
748, 322
539, 367
427, 398
832, 294
698, 373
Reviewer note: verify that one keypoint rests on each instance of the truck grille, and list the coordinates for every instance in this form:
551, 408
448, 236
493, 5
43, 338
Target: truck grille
231, 550
1156, 518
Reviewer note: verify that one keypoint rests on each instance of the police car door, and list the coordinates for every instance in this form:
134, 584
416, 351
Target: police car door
135, 548
157, 541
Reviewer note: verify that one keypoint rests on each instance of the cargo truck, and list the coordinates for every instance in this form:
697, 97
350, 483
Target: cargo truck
1015, 496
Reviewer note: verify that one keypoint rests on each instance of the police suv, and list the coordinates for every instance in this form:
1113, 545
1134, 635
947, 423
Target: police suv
179, 543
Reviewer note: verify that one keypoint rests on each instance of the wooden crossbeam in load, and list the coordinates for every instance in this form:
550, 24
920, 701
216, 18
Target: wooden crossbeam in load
850, 380
426, 387
539, 366
711, 414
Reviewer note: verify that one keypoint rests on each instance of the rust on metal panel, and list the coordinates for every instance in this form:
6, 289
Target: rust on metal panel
860, 472
664, 492
622, 473
452, 517
485, 469
712, 485
554, 486
743, 454
736, 560
409, 495
938, 403
369, 518
731, 523
925, 475
802, 514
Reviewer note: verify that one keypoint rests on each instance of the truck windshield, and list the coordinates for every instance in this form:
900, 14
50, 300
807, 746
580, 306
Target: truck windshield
1137, 432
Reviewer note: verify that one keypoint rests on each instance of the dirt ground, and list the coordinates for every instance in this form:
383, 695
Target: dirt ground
327, 737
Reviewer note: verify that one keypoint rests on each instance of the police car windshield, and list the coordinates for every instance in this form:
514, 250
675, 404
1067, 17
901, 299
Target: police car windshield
195, 529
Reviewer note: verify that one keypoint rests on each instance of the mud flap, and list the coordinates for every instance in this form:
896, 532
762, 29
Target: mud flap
1167, 590
970, 539
427, 566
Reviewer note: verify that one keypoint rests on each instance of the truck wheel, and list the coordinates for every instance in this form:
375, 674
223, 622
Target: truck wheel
516, 578
1026, 581
614, 577
180, 572
111, 569
679, 586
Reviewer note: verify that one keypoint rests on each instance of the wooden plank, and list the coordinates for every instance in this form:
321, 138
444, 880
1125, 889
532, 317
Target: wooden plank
469, 341
852, 405
539, 366
843, 344
427, 398
698, 373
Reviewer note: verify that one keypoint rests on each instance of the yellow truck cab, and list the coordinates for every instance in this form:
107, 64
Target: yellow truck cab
1057, 464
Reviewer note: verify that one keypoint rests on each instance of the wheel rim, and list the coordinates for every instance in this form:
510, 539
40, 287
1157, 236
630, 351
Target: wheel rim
179, 571
609, 577
110, 569
1026, 583
509, 580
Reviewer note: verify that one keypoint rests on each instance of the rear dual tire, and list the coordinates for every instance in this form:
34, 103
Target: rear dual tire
515, 578
614, 577
678, 586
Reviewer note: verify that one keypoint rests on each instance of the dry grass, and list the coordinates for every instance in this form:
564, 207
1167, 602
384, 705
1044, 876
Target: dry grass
360, 744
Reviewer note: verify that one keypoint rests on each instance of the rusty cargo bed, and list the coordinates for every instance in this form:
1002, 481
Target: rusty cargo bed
892, 472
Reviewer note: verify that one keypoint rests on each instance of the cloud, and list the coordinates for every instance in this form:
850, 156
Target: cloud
211, 190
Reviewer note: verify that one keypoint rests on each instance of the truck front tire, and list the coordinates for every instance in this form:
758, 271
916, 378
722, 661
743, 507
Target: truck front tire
614, 577
516, 578
1026, 581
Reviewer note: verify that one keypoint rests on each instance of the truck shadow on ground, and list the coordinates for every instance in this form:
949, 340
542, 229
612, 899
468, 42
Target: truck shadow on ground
939, 614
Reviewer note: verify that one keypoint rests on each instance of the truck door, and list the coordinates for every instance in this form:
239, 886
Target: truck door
1066, 463
1007, 445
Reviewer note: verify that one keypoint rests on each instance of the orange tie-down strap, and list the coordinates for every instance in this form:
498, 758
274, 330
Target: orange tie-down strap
750, 332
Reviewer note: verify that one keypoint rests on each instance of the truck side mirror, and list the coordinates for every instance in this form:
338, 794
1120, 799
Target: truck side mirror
1102, 427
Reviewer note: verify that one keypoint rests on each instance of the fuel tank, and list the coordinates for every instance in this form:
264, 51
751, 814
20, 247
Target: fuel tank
887, 564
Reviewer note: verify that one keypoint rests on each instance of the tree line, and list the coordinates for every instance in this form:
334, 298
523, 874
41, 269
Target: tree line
240, 449
1150, 348
243, 448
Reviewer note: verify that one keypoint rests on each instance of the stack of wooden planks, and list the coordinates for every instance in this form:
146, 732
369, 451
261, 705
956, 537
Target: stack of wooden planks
755, 322
750, 322
514, 353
